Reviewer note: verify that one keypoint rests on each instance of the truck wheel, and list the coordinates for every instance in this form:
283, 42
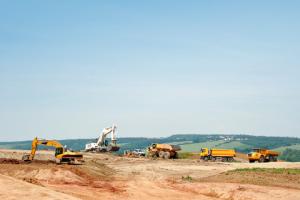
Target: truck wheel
225, 159
154, 155
167, 155
230, 159
271, 159
251, 161
261, 159
176, 155
161, 154
205, 158
213, 159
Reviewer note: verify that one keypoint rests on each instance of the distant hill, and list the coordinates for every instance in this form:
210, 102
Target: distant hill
289, 146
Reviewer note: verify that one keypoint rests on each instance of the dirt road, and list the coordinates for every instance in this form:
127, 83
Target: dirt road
112, 177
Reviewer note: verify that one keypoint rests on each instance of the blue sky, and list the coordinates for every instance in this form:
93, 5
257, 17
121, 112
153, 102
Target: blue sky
155, 68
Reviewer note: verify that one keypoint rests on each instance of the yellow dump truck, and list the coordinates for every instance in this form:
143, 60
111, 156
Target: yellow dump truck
225, 155
263, 155
164, 151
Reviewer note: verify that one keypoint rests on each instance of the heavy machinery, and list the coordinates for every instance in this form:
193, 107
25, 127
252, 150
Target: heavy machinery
262, 155
217, 154
62, 155
102, 144
135, 153
164, 151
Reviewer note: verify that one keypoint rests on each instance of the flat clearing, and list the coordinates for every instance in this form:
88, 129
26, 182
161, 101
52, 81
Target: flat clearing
104, 176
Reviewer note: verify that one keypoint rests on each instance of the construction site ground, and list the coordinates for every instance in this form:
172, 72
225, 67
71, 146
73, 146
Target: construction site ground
105, 176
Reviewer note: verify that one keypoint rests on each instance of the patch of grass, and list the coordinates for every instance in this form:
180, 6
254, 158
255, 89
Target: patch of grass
281, 149
185, 155
196, 147
186, 178
180, 142
232, 145
269, 170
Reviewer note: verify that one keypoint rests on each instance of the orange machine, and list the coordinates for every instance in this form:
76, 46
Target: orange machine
214, 154
263, 155
164, 151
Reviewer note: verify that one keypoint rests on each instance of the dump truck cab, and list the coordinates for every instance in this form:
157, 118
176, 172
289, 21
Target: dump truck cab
63, 155
204, 152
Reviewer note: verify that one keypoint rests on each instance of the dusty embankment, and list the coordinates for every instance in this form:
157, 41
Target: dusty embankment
113, 177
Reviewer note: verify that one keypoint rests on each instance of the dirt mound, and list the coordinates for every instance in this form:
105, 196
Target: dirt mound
93, 174
9, 161
32, 180
113, 177
280, 177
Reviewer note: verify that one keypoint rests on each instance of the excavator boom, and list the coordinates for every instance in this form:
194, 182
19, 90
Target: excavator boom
36, 142
104, 134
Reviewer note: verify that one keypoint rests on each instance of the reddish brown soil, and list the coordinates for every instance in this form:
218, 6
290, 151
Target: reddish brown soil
9, 161
112, 177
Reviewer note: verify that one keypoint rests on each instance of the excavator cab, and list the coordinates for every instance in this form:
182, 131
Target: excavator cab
105, 143
59, 150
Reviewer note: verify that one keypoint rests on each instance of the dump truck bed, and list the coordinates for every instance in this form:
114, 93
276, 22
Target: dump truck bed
168, 147
273, 153
223, 152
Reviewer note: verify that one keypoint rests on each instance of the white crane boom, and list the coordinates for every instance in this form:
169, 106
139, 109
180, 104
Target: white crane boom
105, 132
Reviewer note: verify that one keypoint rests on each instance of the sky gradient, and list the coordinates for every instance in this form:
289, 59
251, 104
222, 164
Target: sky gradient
154, 68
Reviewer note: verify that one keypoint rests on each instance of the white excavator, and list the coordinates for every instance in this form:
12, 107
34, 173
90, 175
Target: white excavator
102, 144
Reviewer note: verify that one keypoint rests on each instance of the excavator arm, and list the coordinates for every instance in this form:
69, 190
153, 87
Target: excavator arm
36, 142
104, 134
101, 145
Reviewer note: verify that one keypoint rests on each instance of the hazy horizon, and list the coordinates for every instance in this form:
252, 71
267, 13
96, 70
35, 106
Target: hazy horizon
30, 139
68, 69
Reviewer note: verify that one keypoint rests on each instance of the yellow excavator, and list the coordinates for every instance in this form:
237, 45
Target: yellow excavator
62, 155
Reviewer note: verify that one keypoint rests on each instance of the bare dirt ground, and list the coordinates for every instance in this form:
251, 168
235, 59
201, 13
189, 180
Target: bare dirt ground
112, 177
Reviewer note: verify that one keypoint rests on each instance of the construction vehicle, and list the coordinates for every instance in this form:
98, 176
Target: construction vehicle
135, 153
139, 152
62, 154
225, 155
102, 144
262, 155
165, 151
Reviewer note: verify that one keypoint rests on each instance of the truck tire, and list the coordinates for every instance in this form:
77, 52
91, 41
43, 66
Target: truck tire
271, 159
251, 161
261, 159
213, 159
230, 159
205, 158
175, 155
167, 155
161, 154
152, 155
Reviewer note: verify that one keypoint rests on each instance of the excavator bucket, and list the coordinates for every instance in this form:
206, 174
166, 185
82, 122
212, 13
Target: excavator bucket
26, 157
113, 148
